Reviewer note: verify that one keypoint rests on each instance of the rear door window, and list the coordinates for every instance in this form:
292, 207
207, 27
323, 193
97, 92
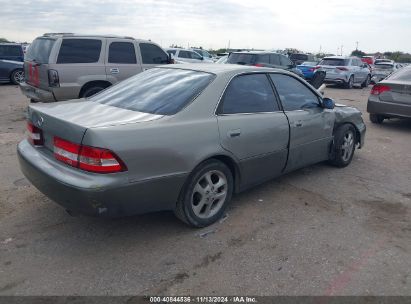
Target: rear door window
152, 54
184, 54
263, 59
122, 52
275, 59
79, 51
285, 61
294, 95
196, 56
39, 51
249, 94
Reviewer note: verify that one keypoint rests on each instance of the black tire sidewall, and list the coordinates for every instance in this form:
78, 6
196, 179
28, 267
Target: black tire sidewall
91, 91
191, 218
338, 141
12, 76
350, 82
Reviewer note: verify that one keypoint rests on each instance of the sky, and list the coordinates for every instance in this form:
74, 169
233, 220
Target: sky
308, 25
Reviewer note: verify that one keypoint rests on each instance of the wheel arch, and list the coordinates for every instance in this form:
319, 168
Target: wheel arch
90, 84
357, 131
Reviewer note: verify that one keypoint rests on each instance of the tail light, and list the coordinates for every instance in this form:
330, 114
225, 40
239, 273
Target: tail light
379, 89
87, 158
342, 68
35, 135
314, 68
54, 80
258, 65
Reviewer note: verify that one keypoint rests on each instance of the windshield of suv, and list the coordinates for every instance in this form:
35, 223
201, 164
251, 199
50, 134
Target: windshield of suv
334, 62
241, 58
39, 51
157, 91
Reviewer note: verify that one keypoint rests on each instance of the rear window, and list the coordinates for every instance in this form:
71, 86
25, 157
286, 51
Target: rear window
39, 51
299, 57
239, 58
156, 91
383, 66
79, 51
403, 74
334, 62
11, 50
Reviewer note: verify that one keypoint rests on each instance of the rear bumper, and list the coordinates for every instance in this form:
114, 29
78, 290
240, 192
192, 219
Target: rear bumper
389, 109
336, 78
36, 93
106, 195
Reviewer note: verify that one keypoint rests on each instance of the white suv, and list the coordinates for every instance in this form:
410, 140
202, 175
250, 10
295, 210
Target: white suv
187, 56
346, 71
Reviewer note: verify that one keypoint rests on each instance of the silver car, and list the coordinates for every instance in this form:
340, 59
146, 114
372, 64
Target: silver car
183, 138
187, 56
346, 71
382, 70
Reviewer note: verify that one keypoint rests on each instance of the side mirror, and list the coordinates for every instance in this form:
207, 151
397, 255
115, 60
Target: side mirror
328, 103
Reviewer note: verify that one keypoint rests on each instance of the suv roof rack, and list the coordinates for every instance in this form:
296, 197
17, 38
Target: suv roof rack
85, 35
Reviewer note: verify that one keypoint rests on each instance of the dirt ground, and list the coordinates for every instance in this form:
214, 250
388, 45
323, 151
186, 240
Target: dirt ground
317, 231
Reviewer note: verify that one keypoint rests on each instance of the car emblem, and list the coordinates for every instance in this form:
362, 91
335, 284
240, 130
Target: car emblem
40, 121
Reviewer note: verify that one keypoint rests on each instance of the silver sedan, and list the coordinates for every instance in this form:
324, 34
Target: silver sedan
183, 138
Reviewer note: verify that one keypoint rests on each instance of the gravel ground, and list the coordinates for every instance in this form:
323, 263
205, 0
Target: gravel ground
317, 231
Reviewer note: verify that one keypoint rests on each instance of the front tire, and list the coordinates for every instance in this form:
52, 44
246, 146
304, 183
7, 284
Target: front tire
376, 118
344, 146
350, 83
205, 195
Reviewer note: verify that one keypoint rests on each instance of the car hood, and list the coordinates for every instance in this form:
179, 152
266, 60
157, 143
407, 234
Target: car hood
345, 113
91, 114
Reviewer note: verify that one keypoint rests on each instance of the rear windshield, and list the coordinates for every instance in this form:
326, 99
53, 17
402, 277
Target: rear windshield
309, 63
298, 57
39, 51
239, 58
157, 91
403, 74
334, 62
384, 66
11, 50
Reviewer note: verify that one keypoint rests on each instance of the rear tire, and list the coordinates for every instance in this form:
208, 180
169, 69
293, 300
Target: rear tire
17, 76
376, 118
366, 82
205, 195
344, 146
91, 91
350, 83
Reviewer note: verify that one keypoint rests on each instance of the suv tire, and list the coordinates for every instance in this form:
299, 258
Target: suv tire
344, 146
376, 118
349, 83
91, 91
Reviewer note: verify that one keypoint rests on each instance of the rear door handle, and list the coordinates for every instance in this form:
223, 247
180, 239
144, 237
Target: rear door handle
234, 133
114, 70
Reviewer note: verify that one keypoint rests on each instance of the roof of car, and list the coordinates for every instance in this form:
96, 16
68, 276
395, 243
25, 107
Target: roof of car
339, 57
220, 68
256, 52
58, 35
9, 43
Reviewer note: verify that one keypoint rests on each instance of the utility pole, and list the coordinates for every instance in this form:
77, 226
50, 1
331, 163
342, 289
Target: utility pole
341, 50
357, 45
228, 47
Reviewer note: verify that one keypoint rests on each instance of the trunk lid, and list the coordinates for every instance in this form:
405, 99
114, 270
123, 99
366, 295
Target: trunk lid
400, 92
71, 119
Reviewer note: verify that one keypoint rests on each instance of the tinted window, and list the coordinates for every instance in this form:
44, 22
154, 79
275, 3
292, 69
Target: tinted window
263, 59
383, 66
184, 54
40, 50
158, 91
11, 50
194, 55
121, 52
403, 74
285, 61
334, 62
275, 59
239, 58
79, 51
249, 94
294, 95
299, 57
152, 54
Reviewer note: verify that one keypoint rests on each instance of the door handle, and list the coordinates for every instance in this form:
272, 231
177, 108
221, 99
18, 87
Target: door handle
298, 123
234, 133
114, 70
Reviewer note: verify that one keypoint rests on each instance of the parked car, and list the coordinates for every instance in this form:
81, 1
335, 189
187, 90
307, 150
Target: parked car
308, 68
391, 97
205, 54
298, 59
381, 60
368, 59
381, 70
67, 66
11, 71
346, 71
187, 56
11, 51
135, 147
264, 59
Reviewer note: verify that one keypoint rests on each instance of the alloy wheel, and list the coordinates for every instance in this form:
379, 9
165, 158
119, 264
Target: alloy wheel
347, 146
